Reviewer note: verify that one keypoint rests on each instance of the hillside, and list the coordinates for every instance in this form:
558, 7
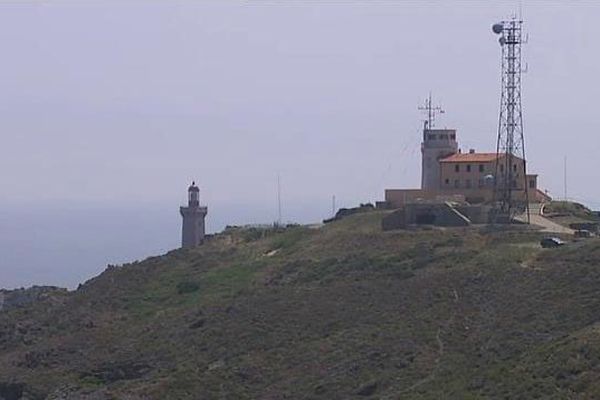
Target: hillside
10, 299
345, 311
566, 213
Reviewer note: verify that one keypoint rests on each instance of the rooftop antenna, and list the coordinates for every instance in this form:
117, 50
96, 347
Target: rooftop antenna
509, 176
430, 111
521, 10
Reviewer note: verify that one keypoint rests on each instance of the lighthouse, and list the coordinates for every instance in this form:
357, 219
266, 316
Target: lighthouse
192, 231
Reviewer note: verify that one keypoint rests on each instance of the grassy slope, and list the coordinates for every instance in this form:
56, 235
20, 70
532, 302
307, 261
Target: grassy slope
343, 312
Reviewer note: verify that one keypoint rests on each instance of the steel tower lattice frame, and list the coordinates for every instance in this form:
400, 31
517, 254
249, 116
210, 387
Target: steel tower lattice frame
511, 141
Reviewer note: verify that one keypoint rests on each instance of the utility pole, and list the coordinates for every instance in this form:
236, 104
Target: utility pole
278, 200
565, 179
333, 206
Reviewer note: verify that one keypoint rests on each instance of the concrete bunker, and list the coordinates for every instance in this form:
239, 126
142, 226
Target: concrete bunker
438, 213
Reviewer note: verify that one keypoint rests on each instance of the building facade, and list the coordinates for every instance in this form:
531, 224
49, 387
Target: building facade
437, 144
451, 175
474, 173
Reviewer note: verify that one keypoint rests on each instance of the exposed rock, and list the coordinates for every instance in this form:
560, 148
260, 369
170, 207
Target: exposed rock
368, 389
120, 372
346, 212
197, 324
216, 365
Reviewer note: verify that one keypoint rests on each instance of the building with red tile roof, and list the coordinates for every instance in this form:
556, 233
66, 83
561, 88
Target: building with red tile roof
449, 174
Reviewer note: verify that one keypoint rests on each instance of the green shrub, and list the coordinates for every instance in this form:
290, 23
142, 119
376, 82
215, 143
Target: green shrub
91, 381
187, 287
290, 237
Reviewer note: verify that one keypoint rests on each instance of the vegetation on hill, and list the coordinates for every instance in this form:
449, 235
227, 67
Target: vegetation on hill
567, 213
570, 208
23, 297
345, 311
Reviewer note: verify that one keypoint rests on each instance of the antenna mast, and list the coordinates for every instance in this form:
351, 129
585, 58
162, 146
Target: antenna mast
565, 178
278, 200
511, 175
430, 111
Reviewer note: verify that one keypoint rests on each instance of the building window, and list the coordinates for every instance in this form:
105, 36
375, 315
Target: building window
468, 183
456, 183
515, 167
501, 167
468, 167
443, 136
447, 181
532, 184
457, 168
432, 136
453, 136
481, 167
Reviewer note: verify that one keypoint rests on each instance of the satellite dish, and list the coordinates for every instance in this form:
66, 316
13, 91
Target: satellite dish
502, 41
497, 28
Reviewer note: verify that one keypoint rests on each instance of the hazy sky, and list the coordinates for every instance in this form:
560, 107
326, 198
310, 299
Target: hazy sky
108, 109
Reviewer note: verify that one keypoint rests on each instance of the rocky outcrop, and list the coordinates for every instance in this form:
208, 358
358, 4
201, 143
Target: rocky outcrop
346, 212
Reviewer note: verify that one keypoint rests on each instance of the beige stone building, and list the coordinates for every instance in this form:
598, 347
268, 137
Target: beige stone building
449, 174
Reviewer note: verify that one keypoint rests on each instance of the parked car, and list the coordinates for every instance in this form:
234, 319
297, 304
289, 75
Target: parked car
551, 242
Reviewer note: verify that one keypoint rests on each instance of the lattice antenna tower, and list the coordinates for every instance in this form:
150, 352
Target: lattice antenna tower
510, 176
430, 111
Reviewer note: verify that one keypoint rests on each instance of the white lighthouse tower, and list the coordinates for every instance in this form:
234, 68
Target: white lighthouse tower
193, 229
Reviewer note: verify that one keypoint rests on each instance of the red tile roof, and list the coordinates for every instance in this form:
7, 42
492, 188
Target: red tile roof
471, 157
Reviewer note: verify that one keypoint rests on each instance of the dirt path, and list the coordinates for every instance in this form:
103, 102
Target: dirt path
440, 343
536, 218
